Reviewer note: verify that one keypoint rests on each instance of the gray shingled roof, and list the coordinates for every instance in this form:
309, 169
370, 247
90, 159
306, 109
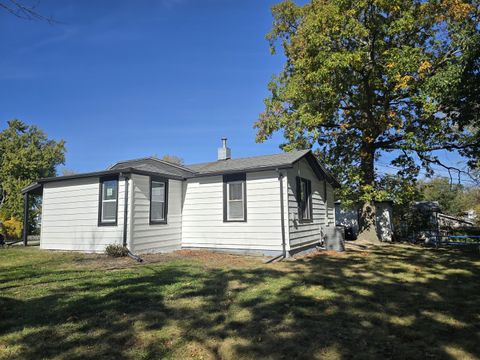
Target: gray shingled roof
248, 163
152, 164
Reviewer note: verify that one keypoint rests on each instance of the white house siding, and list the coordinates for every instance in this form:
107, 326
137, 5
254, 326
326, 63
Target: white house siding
308, 233
155, 237
70, 216
330, 206
203, 225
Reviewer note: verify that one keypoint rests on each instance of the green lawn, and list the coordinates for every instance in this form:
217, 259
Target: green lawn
392, 302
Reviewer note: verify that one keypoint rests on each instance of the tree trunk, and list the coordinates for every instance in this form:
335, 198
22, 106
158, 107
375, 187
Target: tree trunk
368, 225
367, 211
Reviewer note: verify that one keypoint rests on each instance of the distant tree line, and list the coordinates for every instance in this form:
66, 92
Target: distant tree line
454, 199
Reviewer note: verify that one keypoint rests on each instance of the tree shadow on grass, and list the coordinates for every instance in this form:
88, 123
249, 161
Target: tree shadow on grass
395, 302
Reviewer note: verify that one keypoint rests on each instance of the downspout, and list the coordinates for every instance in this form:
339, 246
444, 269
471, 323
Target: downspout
125, 221
125, 212
282, 222
25, 218
282, 214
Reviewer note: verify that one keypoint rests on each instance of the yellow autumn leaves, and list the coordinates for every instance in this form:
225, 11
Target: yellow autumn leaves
403, 81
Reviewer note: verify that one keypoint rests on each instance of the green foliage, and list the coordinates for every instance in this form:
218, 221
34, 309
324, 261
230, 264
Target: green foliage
368, 77
116, 250
26, 154
453, 199
11, 228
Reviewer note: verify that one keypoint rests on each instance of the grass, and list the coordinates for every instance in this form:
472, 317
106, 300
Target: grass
397, 302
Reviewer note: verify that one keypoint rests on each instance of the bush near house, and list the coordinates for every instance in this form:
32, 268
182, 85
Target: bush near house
116, 250
11, 228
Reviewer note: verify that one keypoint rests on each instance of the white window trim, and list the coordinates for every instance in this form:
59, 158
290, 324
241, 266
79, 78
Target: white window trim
242, 183
103, 211
159, 202
102, 220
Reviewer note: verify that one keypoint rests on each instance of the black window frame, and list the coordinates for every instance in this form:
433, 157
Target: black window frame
101, 180
308, 200
165, 204
234, 178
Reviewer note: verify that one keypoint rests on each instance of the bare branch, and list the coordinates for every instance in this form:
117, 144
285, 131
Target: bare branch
25, 12
434, 160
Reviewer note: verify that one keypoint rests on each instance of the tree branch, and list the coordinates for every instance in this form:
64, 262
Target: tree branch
25, 12
434, 160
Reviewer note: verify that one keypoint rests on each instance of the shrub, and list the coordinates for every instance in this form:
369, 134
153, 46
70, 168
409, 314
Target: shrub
116, 250
11, 228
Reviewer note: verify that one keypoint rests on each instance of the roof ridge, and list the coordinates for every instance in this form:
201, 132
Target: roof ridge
172, 164
152, 158
128, 160
252, 157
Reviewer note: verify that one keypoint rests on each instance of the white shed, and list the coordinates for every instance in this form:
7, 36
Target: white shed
349, 218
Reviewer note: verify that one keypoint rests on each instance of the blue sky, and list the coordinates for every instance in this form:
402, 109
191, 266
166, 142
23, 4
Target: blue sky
126, 79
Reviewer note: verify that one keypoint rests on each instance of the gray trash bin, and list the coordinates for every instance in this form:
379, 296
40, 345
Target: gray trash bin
335, 240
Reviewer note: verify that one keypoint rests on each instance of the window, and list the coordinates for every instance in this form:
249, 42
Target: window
108, 204
234, 198
158, 200
304, 199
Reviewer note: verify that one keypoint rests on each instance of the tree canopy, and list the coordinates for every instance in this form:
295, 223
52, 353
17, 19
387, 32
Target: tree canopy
365, 78
26, 154
454, 199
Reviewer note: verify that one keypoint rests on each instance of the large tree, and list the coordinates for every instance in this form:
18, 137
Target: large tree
26, 154
368, 77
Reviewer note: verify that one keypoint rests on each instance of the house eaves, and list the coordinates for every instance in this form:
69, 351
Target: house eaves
42, 181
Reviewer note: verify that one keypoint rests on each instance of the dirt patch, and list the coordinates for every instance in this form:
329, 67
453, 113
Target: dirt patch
101, 261
218, 259
350, 249
207, 258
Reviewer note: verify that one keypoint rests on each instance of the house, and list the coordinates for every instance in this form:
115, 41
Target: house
270, 205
